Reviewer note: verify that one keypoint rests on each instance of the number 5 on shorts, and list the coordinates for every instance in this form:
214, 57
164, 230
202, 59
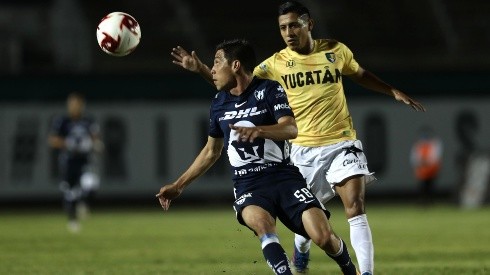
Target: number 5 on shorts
303, 194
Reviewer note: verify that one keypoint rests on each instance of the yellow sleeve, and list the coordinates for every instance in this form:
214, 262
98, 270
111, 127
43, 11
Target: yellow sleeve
265, 69
350, 65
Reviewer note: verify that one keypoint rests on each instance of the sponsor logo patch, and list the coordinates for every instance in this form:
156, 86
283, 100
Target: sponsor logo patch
242, 198
290, 63
259, 94
330, 57
281, 106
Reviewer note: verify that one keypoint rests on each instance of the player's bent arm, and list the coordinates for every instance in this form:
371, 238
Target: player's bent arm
370, 81
205, 72
208, 156
205, 160
191, 62
284, 129
56, 142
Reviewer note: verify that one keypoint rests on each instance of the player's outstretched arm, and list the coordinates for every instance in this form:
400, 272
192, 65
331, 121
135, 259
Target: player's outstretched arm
208, 156
370, 81
191, 62
284, 129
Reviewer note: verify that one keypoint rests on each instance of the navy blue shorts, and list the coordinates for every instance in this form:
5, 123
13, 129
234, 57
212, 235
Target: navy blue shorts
71, 170
280, 191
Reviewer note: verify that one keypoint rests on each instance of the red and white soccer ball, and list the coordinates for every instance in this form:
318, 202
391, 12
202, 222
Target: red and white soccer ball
118, 34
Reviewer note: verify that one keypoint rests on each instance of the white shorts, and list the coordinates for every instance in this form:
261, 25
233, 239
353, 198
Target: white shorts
325, 166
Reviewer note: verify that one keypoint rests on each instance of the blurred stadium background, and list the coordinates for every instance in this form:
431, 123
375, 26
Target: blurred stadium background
153, 118
153, 114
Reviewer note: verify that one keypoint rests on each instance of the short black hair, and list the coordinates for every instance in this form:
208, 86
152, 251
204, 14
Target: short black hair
241, 50
293, 6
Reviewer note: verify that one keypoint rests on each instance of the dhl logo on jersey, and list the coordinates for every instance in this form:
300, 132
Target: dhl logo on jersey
242, 113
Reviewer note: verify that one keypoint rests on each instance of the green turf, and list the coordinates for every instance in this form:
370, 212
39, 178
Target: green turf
408, 240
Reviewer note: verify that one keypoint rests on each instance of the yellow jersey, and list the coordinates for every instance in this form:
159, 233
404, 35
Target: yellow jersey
313, 84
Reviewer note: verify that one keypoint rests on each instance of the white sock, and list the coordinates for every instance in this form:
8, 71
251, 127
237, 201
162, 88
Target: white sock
362, 242
302, 244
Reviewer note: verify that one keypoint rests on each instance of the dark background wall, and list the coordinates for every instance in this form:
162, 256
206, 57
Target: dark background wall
58, 36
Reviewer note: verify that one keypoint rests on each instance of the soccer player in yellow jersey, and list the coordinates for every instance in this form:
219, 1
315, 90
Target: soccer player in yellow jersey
326, 150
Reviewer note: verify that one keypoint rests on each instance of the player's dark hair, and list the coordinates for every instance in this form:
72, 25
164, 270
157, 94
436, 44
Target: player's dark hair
293, 6
241, 50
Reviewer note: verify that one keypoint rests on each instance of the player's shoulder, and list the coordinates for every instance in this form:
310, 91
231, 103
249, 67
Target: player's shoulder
280, 55
267, 88
269, 64
59, 123
219, 98
329, 44
267, 84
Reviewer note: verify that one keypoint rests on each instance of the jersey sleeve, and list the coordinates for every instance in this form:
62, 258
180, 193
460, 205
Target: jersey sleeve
350, 65
278, 101
214, 127
265, 70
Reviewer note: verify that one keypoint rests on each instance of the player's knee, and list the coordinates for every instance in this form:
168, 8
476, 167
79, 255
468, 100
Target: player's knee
355, 208
324, 240
261, 225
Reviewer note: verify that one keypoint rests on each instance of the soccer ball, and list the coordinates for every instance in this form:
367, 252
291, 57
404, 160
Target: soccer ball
118, 34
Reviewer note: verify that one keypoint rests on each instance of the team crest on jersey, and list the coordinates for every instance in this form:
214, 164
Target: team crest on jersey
290, 63
259, 94
330, 57
263, 67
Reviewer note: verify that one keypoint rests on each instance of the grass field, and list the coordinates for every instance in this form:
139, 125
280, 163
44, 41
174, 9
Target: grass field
408, 240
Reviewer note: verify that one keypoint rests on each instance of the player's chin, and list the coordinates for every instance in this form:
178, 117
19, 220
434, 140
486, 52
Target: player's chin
293, 46
218, 87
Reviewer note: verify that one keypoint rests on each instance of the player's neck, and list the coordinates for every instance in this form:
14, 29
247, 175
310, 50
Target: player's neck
308, 48
242, 83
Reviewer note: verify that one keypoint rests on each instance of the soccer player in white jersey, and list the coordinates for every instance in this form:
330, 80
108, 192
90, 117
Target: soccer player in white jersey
326, 151
251, 119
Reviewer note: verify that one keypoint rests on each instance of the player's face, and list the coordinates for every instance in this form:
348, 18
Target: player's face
223, 74
295, 31
75, 106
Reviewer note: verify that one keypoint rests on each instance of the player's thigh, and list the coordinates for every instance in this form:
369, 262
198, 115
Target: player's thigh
313, 163
294, 198
348, 161
258, 219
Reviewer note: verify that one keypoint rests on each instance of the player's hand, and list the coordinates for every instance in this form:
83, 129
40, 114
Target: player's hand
246, 133
185, 60
167, 194
400, 96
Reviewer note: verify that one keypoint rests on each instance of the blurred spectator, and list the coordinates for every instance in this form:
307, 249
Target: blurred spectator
77, 138
474, 160
425, 157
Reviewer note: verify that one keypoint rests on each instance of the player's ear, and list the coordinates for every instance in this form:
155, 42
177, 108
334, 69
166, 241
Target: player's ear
310, 24
235, 65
